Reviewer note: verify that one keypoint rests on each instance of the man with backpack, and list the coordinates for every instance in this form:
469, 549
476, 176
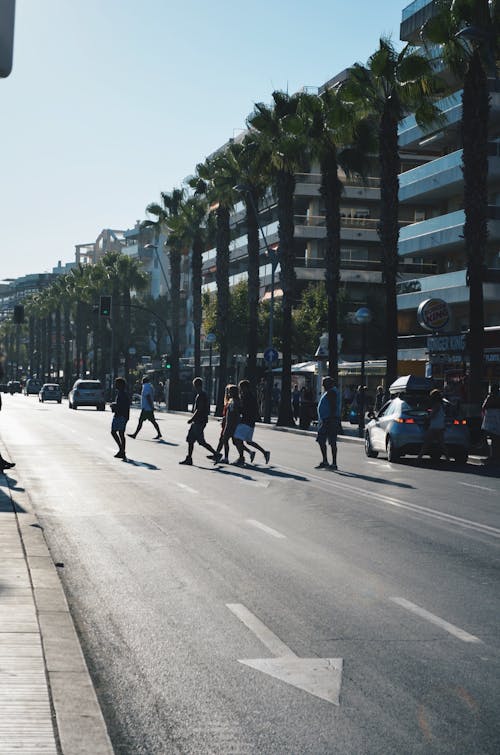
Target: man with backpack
328, 422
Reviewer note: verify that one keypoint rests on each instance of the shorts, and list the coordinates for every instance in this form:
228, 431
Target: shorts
195, 433
147, 414
119, 424
243, 432
327, 432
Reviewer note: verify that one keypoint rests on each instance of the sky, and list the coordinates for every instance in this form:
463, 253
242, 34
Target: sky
111, 102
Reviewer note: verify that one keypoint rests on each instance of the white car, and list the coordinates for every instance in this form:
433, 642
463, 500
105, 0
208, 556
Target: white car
87, 393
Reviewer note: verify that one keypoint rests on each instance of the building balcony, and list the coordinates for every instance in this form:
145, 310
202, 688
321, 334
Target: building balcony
442, 178
413, 17
452, 287
440, 234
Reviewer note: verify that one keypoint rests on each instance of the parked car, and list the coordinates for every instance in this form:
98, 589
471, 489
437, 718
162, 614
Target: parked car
14, 386
50, 392
87, 393
32, 386
399, 427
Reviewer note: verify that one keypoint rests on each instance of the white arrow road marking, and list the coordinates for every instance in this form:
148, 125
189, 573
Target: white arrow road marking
321, 677
265, 528
450, 628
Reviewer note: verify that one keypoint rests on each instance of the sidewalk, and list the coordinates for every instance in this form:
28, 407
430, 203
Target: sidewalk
48, 705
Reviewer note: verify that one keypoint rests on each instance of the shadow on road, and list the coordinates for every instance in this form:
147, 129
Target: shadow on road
234, 471
7, 505
380, 480
145, 464
163, 442
481, 470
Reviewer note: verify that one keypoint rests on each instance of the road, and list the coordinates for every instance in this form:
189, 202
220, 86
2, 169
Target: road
274, 609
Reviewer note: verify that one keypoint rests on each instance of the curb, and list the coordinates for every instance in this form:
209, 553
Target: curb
79, 725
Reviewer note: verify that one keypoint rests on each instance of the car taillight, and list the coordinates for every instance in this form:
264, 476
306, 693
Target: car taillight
459, 421
405, 421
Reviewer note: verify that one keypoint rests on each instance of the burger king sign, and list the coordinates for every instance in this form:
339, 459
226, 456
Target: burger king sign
433, 314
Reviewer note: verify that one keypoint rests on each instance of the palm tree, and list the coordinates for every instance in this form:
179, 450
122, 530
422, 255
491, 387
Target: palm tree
469, 32
282, 133
251, 162
195, 227
215, 179
338, 139
392, 85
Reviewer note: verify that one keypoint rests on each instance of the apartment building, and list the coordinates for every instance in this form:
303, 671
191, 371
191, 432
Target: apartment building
434, 187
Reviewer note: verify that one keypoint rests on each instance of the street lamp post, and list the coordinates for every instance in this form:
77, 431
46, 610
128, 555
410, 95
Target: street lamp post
363, 317
274, 258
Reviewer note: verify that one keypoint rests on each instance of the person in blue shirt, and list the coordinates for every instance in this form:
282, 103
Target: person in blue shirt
328, 423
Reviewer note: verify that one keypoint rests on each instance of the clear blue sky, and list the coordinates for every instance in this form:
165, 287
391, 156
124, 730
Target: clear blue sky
112, 101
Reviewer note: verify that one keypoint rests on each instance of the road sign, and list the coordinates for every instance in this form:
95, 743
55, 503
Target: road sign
271, 355
210, 338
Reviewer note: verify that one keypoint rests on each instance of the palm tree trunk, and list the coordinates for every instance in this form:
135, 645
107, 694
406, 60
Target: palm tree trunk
127, 319
175, 285
388, 233
476, 107
68, 369
285, 185
58, 359
331, 188
222, 281
253, 286
31, 344
196, 267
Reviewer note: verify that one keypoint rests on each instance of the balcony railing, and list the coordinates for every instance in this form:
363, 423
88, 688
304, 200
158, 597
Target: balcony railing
315, 221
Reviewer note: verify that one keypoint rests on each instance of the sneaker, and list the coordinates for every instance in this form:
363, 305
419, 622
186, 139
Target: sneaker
267, 456
239, 463
333, 466
119, 455
225, 460
322, 465
252, 456
217, 457
157, 437
212, 457
131, 435
7, 465
187, 461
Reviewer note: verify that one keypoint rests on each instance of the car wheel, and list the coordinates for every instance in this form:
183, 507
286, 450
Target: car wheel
435, 457
101, 407
368, 448
461, 456
59, 401
74, 406
393, 454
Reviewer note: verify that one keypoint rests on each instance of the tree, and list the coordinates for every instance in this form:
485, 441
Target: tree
338, 139
215, 179
282, 133
469, 32
392, 85
252, 160
166, 214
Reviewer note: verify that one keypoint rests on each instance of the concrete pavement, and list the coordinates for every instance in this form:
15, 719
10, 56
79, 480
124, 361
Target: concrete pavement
48, 705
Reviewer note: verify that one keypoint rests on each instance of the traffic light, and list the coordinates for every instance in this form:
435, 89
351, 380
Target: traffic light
105, 306
166, 362
18, 314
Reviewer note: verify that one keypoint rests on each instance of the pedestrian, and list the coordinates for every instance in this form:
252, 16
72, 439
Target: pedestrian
296, 402
160, 394
198, 421
231, 415
245, 428
436, 423
379, 399
328, 422
147, 409
491, 422
4, 464
121, 414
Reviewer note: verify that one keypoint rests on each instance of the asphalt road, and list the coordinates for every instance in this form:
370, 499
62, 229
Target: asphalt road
273, 609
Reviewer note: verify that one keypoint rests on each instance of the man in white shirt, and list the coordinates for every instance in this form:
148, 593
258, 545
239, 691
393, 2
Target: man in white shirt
147, 409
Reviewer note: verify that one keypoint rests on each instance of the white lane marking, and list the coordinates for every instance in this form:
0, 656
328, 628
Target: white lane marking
461, 634
414, 508
479, 487
381, 465
187, 488
255, 625
265, 528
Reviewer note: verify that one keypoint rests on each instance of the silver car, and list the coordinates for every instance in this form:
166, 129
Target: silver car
50, 392
399, 429
87, 393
